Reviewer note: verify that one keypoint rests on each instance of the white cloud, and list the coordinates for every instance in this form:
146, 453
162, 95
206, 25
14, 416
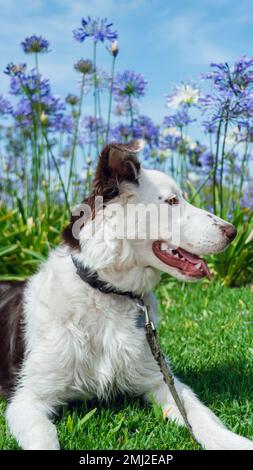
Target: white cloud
191, 36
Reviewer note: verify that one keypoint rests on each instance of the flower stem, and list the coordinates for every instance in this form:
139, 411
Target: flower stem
215, 167
110, 99
131, 115
58, 172
75, 136
222, 165
95, 92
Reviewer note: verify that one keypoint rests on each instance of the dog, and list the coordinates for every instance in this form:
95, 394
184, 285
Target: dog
72, 330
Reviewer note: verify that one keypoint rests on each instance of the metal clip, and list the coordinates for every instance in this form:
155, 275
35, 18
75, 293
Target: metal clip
144, 309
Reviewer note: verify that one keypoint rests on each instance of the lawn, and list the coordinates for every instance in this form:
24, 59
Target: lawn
207, 332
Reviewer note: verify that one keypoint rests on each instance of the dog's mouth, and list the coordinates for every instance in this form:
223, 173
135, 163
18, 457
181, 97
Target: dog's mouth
188, 264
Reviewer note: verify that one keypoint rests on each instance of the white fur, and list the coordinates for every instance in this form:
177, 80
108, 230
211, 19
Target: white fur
81, 343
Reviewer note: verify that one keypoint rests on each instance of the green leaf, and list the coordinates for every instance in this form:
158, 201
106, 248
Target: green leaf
84, 420
118, 426
8, 249
38, 256
10, 277
70, 426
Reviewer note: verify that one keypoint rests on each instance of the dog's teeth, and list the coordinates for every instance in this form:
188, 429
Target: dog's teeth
177, 255
198, 266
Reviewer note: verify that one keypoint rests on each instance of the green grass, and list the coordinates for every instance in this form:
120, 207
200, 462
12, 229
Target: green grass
207, 331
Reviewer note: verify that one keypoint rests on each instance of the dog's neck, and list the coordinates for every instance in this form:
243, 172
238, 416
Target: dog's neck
137, 280
92, 278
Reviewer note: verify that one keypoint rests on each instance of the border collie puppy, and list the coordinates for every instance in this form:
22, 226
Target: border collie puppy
73, 331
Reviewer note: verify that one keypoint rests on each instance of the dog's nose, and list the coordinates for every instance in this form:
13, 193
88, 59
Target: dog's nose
229, 231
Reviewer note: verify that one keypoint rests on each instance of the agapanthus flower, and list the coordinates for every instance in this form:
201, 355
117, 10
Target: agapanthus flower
72, 99
62, 123
129, 84
84, 66
195, 151
102, 81
247, 200
207, 159
51, 107
23, 113
142, 128
91, 126
232, 96
35, 44
123, 107
235, 78
5, 106
209, 127
180, 119
245, 131
184, 94
99, 30
170, 141
15, 69
114, 48
121, 133
29, 83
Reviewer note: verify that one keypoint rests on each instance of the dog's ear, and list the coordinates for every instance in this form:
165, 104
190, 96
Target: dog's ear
117, 163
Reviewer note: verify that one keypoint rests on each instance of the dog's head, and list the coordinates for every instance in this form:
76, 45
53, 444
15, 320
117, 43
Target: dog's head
143, 223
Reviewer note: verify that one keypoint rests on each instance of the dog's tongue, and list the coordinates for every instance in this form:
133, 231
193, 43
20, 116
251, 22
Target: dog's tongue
194, 260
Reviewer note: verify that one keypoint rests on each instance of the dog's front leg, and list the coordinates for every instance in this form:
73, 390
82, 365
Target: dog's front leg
28, 421
207, 428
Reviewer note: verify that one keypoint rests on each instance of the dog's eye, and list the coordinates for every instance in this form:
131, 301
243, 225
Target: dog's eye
172, 200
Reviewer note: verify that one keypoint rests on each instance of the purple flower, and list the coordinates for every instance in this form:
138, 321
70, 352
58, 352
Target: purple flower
63, 124
207, 159
142, 128
23, 113
84, 66
129, 84
232, 96
102, 81
72, 99
5, 106
145, 128
121, 133
35, 44
91, 126
29, 84
180, 119
99, 30
15, 69
195, 153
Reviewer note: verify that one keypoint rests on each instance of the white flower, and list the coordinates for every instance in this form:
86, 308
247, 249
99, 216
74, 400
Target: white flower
193, 146
184, 94
171, 131
232, 136
193, 177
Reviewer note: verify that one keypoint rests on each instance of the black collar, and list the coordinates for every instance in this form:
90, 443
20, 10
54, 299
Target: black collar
91, 277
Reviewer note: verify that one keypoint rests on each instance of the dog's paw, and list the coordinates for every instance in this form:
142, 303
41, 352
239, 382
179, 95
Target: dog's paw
43, 444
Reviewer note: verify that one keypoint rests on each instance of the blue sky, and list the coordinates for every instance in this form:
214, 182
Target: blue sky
167, 41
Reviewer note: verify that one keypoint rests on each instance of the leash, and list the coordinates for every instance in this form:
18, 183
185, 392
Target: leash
91, 277
158, 355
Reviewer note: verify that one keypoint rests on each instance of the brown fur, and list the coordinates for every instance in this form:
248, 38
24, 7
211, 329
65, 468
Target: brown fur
11, 337
117, 163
